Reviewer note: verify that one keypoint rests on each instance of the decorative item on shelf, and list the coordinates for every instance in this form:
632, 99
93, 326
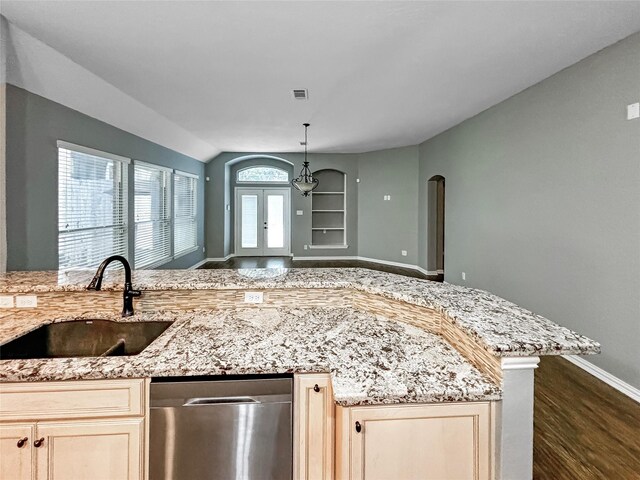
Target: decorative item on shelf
305, 182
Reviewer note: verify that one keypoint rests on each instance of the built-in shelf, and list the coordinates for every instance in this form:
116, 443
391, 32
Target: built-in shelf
328, 209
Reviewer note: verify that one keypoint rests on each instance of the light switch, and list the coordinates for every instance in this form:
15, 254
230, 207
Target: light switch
253, 297
26, 301
633, 111
299, 212
404, 253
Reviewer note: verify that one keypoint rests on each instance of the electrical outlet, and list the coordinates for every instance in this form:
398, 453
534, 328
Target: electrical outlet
203, 250
633, 111
404, 253
26, 301
253, 297
464, 276
306, 247
6, 301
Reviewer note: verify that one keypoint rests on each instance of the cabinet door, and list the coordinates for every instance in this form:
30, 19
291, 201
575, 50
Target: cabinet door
313, 427
438, 441
16, 451
96, 450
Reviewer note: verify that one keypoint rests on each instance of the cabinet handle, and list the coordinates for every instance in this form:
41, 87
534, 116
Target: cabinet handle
358, 427
38, 443
22, 442
316, 388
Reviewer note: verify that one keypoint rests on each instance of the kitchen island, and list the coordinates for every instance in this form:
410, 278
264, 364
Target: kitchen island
384, 339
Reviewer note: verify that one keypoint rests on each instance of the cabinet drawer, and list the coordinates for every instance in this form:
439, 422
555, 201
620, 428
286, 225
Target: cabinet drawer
77, 399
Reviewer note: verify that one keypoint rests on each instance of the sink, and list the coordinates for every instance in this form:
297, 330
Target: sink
84, 338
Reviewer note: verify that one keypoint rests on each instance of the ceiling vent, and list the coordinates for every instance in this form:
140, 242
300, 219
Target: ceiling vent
300, 94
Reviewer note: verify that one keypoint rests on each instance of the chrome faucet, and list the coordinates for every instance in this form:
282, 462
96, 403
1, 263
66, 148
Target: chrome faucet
128, 294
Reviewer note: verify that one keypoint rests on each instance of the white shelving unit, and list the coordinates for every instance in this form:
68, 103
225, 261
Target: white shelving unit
329, 210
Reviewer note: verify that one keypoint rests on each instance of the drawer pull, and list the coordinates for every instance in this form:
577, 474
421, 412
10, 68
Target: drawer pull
38, 443
22, 442
316, 388
358, 427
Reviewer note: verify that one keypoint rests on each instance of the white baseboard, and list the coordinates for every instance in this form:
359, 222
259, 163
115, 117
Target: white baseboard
199, 264
214, 259
620, 385
328, 257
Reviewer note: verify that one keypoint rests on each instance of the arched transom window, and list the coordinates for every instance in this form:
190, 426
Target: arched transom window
263, 175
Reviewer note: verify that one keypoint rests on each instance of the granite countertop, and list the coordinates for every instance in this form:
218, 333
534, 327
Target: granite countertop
372, 360
501, 327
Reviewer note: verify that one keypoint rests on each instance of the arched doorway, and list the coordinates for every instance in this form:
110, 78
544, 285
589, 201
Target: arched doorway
435, 225
260, 206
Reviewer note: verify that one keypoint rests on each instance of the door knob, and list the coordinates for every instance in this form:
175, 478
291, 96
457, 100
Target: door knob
22, 442
38, 443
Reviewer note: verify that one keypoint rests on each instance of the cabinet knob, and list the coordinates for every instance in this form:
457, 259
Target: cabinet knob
22, 442
316, 388
358, 427
38, 443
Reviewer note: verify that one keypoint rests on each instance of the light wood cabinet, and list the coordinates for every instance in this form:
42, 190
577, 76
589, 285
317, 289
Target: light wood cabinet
96, 450
433, 441
17, 454
313, 421
61, 443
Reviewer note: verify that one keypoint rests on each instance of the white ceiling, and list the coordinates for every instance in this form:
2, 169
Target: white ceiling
380, 74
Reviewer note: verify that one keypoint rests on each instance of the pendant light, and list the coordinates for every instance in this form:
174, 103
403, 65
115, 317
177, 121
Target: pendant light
305, 183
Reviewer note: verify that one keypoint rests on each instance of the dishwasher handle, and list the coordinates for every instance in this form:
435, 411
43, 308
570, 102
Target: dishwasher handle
207, 401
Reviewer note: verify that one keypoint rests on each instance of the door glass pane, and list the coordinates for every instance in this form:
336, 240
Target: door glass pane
249, 226
275, 221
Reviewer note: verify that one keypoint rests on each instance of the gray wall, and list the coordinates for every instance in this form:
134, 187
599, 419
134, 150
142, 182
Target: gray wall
543, 201
219, 226
34, 124
386, 227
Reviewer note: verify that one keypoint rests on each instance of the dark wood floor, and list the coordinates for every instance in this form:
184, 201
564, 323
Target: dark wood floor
287, 262
583, 428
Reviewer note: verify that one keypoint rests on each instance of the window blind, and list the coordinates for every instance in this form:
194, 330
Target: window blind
152, 215
92, 207
185, 224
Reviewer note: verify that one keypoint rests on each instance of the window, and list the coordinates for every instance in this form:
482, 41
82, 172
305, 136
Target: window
92, 206
152, 186
185, 226
263, 174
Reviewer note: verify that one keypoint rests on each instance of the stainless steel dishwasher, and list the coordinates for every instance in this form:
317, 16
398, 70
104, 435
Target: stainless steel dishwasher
220, 429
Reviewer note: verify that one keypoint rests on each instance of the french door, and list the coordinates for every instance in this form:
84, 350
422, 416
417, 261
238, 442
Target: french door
262, 222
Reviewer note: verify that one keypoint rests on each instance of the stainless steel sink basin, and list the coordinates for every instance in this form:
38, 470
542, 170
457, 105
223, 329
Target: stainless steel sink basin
84, 338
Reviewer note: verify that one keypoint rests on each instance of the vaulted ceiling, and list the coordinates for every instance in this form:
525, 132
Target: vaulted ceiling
379, 74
